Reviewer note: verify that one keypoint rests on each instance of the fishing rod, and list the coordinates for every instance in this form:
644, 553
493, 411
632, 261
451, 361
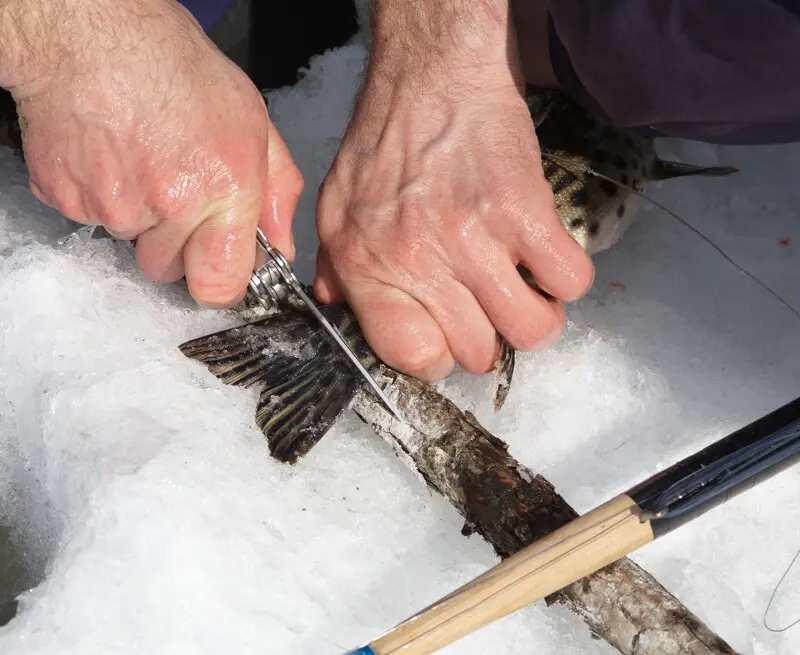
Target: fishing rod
644, 513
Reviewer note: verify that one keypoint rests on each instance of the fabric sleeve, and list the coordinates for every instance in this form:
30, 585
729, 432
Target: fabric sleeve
207, 12
723, 71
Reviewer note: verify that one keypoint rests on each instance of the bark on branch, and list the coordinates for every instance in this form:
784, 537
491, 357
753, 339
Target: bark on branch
512, 507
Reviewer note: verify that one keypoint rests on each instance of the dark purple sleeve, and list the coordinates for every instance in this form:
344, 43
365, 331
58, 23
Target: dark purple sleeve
723, 71
207, 12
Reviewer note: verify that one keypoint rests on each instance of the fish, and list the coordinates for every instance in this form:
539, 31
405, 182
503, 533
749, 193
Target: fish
305, 383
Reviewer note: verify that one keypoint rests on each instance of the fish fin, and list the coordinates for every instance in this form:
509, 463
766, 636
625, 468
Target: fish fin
305, 387
504, 369
666, 170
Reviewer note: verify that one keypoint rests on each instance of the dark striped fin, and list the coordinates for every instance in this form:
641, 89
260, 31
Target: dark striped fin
667, 170
504, 369
306, 383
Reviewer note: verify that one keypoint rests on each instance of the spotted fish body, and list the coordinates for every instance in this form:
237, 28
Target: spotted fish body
597, 209
306, 382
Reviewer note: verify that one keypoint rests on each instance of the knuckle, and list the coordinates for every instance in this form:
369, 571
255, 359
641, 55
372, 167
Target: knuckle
70, 204
431, 361
480, 359
115, 220
215, 295
530, 334
296, 182
415, 349
581, 277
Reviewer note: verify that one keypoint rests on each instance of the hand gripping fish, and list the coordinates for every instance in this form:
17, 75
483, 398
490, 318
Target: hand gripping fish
308, 378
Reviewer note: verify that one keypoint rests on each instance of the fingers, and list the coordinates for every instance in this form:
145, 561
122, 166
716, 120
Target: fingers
443, 325
524, 317
219, 257
401, 331
70, 202
557, 262
283, 189
214, 248
471, 337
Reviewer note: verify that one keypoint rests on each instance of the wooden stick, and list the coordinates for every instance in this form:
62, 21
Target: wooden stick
566, 555
511, 507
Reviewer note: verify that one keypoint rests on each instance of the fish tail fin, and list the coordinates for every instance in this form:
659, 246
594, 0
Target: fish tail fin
305, 385
667, 170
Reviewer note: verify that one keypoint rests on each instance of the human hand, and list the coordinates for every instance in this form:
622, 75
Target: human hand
132, 119
435, 196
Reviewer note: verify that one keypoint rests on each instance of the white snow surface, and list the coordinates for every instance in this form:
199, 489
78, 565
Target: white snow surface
152, 520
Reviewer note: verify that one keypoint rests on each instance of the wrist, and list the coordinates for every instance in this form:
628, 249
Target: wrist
440, 34
53, 40
19, 56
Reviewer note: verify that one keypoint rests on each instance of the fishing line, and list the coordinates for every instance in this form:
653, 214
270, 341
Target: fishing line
775, 592
561, 163
487, 577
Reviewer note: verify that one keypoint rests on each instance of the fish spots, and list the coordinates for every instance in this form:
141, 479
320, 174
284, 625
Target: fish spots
550, 168
609, 188
561, 184
594, 228
625, 180
577, 222
620, 211
785, 241
580, 198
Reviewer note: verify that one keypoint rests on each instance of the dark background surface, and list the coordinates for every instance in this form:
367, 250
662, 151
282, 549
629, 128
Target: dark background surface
287, 33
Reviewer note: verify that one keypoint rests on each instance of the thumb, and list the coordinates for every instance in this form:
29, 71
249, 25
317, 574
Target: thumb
326, 287
282, 192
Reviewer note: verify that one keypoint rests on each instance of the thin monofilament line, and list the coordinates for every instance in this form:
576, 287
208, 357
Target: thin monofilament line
775, 592
561, 163
489, 576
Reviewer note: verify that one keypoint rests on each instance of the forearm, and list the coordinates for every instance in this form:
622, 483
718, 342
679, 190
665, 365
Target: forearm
46, 40
29, 33
15, 54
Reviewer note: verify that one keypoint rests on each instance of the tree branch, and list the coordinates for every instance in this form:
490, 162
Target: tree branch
511, 508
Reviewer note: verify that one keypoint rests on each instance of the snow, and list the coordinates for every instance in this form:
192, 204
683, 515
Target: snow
141, 498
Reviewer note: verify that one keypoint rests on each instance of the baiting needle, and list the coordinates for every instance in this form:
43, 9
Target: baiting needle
272, 282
